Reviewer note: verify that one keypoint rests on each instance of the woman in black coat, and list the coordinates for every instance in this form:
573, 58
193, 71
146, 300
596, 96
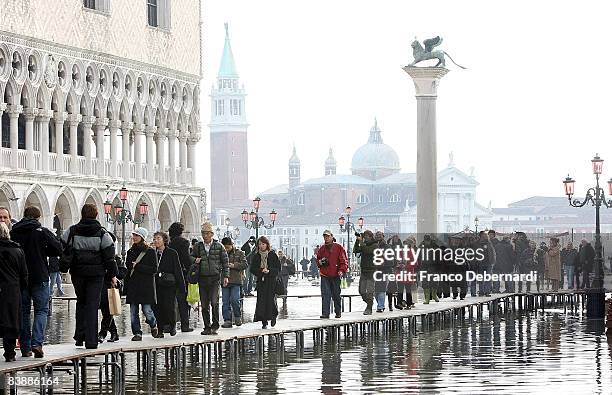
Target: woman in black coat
265, 266
169, 281
140, 283
13, 278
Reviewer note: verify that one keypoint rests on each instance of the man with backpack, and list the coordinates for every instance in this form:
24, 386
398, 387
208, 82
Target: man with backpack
90, 252
38, 243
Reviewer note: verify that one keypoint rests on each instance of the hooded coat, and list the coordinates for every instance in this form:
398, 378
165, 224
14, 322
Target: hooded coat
38, 243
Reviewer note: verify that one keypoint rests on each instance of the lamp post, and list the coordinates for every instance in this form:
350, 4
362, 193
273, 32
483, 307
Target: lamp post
597, 197
252, 220
476, 223
232, 234
120, 215
347, 226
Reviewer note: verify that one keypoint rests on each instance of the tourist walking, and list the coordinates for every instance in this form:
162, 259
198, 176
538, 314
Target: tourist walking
93, 258
528, 261
181, 245
365, 246
380, 287
486, 264
13, 278
505, 260
230, 294
212, 269
169, 281
553, 264
408, 266
55, 277
38, 243
265, 266
332, 263
248, 248
568, 258
587, 258
393, 288
458, 268
429, 265
141, 263
287, 270
107, 325
304, 265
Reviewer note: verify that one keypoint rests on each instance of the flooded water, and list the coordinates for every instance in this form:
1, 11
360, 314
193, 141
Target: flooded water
514, 353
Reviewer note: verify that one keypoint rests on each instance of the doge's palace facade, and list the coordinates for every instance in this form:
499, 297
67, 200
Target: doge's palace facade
95, 94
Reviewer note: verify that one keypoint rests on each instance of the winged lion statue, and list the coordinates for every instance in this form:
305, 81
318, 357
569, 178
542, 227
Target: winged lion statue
420, 54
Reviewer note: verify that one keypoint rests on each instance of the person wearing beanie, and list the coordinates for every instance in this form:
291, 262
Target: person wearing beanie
230, 294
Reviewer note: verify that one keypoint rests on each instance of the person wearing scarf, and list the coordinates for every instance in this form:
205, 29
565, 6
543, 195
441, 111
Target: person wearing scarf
265, 267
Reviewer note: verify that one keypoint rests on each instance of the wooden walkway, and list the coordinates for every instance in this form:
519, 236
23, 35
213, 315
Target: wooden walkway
232, 342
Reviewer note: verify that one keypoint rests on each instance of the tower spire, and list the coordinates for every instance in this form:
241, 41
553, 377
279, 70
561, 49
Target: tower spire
375, 136
227, 68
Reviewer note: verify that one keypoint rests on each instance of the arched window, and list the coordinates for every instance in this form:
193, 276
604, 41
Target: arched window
363, 199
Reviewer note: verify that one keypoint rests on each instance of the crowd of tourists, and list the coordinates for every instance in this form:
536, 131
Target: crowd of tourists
170, 273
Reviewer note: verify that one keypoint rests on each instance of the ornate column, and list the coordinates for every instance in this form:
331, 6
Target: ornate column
426, 80
160, 143
73, 121
126, 127
138, 134
151, 130
182, 155
13, 113
191, 143
172, 135
43, 118
100, 128
87, 123
29, 114
113, 126
2, 108
59, 119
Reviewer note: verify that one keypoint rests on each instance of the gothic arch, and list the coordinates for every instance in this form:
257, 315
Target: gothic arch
189, 216
94, 196
27, 95
125, 115
85, 107
13, 204
42, 98
166, 213
73, 215
40, 200
150, 221
99, 109
58, 100
12, 93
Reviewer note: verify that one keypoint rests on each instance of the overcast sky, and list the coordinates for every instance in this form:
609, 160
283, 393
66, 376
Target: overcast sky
533, 105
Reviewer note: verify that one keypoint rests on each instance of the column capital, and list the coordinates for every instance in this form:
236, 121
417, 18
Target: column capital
127, 125
60, 116
151, 130
194, 137
114, 124
30, 113
14, 110
139, 128
44, 115
426, 79
101, 123
172, 133
161, 134
2, 107
182, 135
74, 119
88, 120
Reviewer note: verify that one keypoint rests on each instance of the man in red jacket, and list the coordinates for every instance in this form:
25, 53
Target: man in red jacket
331, 260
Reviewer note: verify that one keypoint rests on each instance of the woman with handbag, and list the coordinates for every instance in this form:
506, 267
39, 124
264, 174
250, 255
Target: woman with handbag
108, 322
265, 266
141, 263
168, 282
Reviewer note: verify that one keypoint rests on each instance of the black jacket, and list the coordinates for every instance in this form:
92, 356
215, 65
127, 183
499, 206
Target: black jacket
38, 243
505, 257
13, 278
170, 264
94, 250
366, 249
141, 282
181, 246
213, 263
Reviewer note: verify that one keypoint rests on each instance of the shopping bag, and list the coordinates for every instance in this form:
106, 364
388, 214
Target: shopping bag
193, 293
114, 301
343, 284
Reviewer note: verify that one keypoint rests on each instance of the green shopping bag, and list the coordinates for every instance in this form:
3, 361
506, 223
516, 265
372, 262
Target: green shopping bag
343, 283
193, 293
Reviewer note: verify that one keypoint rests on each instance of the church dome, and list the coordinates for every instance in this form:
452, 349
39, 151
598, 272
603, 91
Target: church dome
375, 155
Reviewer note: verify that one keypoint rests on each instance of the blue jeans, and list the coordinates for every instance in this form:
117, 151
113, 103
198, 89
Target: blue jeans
570, 276
330, 289
247, 284
135, 317
34, 336
231, 301
55, 278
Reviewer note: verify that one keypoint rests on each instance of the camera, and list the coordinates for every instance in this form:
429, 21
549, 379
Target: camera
357, 234
324, 262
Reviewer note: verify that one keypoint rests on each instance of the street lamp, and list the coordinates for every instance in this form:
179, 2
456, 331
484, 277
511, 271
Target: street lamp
597, 197
476, 223
120, 215
347, 226
252, 220
232, 234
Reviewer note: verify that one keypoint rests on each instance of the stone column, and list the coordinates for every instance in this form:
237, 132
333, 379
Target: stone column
160, 143
29, 114
138, 133
126, 127
191, 143
87, 123
100, 128
59, 119
73, 121
172, 135
151, 130
13, 113
182, 155
2, 108
43, 118
426, 80
113, 126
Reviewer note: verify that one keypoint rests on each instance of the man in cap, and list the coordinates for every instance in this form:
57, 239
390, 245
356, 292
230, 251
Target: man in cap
248, 248
332, 263
212, 259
